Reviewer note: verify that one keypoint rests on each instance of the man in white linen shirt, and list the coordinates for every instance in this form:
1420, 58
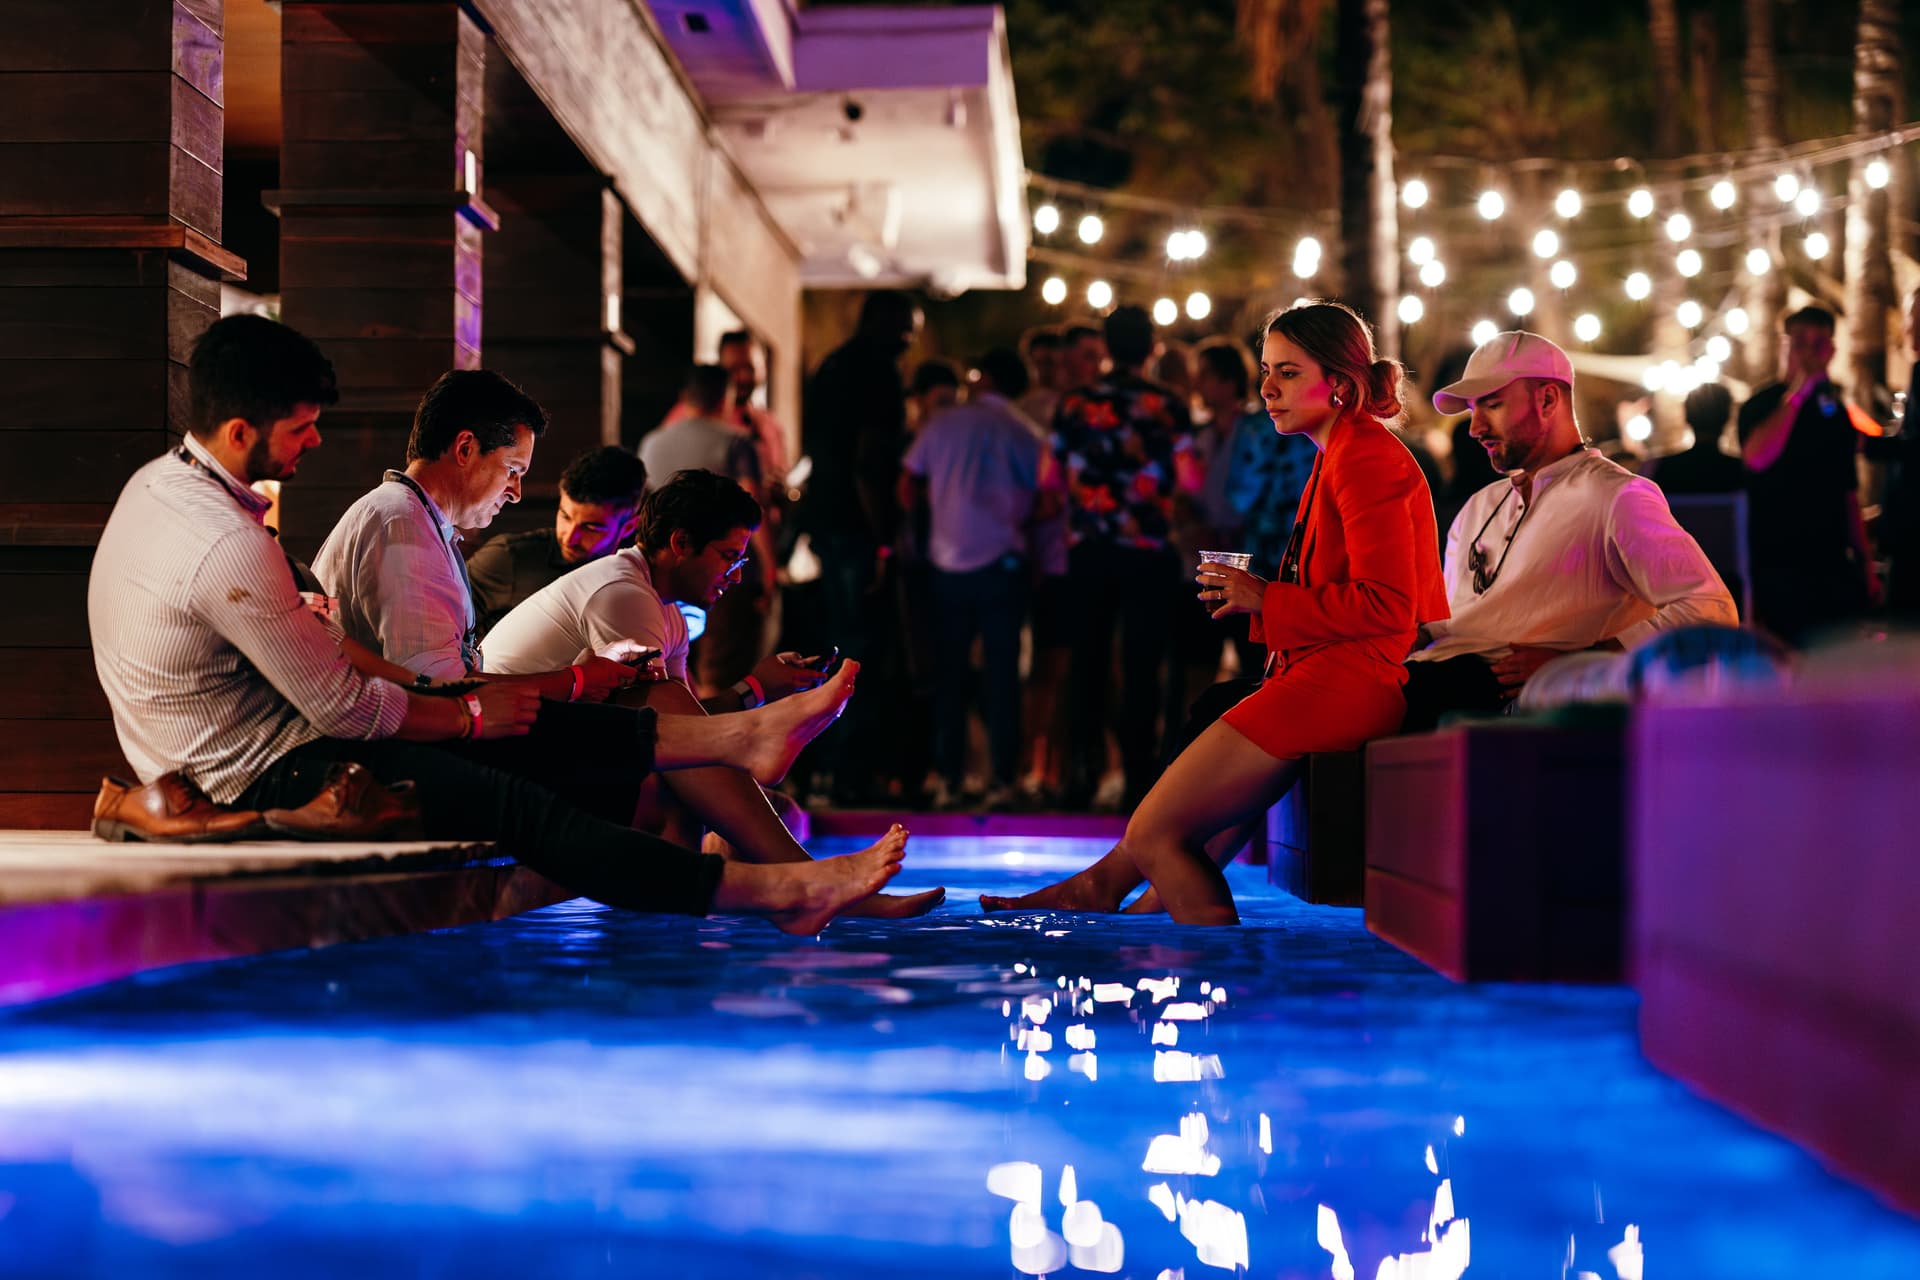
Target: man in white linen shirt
215, 668
693, 539
1569, 552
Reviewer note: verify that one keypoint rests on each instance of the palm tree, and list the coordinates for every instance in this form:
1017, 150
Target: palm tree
1877, 106
1369, 225
1765, 294
1664, 28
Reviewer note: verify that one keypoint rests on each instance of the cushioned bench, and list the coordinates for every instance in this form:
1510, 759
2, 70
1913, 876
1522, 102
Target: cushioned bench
1493, 849
1776, 893
1315, 848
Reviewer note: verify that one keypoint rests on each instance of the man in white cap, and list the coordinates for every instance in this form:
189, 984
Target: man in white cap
1568, 552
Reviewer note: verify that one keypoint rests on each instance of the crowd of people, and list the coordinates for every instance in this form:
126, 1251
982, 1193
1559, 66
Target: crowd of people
600, 694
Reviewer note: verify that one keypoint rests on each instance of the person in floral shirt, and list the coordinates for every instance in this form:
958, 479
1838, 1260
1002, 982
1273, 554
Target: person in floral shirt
1117, 441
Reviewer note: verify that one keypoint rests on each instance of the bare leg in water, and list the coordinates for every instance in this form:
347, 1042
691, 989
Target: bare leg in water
802, 897
729, 801
1215, 786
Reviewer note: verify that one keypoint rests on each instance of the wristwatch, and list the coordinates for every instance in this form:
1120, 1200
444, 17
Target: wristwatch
748, 698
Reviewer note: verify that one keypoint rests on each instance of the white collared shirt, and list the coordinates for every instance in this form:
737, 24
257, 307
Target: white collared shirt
1594, 556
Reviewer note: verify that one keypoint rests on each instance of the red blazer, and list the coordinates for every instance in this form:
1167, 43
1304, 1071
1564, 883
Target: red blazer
1370, 568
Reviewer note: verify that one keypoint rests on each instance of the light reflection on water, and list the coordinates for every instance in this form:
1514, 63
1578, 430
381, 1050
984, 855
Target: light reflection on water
578, 1092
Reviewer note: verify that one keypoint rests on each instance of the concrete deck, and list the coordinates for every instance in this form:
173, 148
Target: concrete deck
75, 911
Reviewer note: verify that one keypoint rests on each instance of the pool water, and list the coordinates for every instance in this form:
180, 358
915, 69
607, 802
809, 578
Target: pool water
580, 1092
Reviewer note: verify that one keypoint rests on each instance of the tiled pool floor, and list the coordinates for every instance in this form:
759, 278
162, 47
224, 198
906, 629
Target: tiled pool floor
583, 1093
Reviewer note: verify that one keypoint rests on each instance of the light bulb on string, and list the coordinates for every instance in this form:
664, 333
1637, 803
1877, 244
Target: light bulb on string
1640, 203
1520, 302
1878, 173
1196, 243
1759, 262
1567, 203
1420, 251
1199, 306
1639, 286
1707, 369
1484, 331
1737, 321
1723, 194
1679, 227
1808, 202
1639, 427
1176, 246
1787, 186
1099, 295
1563, 274
1306, 257
1491, 205
1586, 326
1546, 243
1411, 309
1054, 291
1688, 263
1165, 311
1433, 274
1413, 193
1091, 229
1689, 313
1817, 245
1046, 219
1653, 378
1718, 348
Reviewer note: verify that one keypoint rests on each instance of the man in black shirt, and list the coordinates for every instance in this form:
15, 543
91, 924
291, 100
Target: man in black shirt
854, 430
1811, 568
1703, 467
600, 494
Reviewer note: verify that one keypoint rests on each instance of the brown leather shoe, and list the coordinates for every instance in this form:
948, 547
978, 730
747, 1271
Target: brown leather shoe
170, 809
353, 805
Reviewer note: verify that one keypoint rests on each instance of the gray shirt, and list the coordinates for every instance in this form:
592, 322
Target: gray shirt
700, 444
394, 562
210, 661
981, 462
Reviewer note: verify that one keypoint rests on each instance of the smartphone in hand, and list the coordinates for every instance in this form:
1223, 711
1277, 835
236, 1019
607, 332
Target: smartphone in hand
822, 662
641, 657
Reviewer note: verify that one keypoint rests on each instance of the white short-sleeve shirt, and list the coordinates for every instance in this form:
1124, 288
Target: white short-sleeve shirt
591, 607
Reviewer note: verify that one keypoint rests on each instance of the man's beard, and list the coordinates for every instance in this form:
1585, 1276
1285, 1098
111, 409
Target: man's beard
260, 463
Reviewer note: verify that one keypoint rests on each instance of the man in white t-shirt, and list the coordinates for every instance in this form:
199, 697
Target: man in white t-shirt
693, 540
1568, 552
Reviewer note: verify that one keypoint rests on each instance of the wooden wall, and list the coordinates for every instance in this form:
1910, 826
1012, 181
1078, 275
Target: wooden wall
110, 263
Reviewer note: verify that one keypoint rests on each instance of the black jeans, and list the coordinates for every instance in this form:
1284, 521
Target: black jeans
1434, 689
1111, 589
473, 791
988, 602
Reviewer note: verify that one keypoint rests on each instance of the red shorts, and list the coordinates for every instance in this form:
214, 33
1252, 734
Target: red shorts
1333, 699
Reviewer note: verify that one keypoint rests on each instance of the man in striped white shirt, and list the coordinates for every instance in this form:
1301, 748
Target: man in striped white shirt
215, 667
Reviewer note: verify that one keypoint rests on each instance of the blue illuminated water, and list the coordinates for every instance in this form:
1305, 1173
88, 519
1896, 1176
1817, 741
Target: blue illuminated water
583, 1093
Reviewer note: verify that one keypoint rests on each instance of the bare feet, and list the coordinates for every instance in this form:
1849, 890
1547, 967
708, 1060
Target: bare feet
1080, 891
784, 727
897, 906
821, 890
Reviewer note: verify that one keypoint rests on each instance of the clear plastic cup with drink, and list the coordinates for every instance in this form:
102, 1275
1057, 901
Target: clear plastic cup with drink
1231, 559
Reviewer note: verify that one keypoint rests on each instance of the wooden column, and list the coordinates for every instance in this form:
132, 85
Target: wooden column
553, 301
110, 269
381, 225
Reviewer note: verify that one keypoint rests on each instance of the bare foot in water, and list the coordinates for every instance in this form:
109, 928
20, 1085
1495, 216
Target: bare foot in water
897, 906
824, 889
786, 726
1080, 891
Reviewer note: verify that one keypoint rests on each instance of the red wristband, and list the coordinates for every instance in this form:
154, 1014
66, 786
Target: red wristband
471, 701
579, 675
759, 693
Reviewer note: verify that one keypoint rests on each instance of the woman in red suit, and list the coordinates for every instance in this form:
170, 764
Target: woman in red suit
1359, 577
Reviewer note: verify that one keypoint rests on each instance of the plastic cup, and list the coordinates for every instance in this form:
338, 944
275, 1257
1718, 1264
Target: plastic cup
1232, 559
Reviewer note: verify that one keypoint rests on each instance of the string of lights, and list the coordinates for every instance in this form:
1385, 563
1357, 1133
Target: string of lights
1661, 196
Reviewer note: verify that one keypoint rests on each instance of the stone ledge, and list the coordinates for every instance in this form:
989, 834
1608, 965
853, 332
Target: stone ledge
75, 911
